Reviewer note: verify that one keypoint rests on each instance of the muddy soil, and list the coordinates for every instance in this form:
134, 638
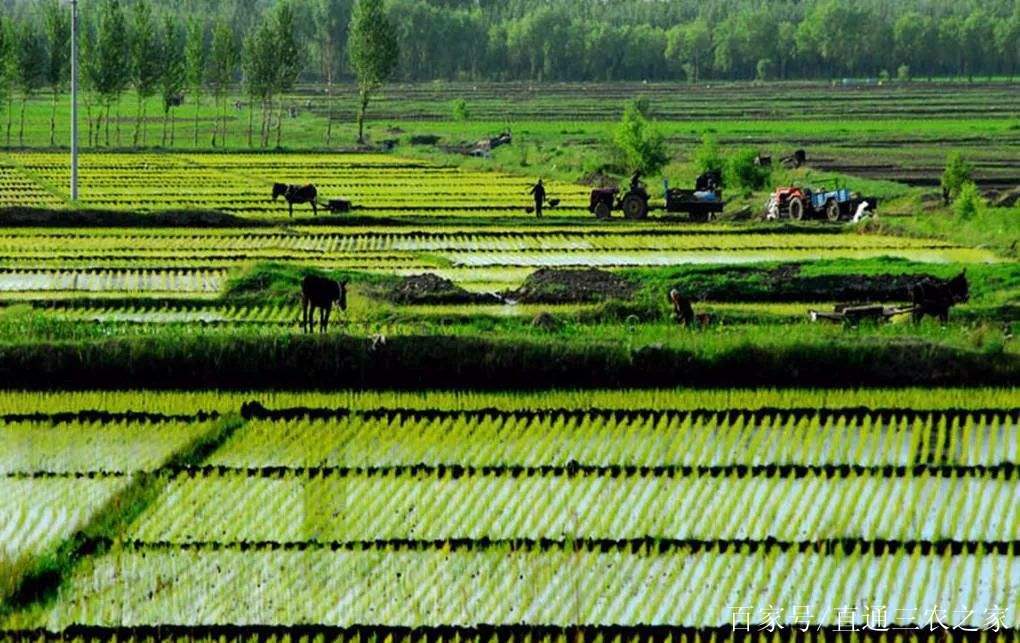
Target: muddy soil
429, 288
558, 286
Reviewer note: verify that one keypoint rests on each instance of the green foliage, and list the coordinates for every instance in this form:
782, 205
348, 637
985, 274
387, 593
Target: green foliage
460, 110
7, 39
289, 55
903, 73
373, 52
639, 144
174, 75
968, 202
222, 59
195, 53
957, 173
708, 157
765, 69
57, 21
195, 59
145, 62
30, 58
110, 54
744, 172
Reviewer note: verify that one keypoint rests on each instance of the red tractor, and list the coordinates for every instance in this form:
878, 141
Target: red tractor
804, 203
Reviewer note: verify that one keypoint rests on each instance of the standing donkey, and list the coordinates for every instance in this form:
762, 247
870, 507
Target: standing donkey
321, 293
297, 194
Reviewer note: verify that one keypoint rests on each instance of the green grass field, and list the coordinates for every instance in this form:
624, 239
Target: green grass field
523, 445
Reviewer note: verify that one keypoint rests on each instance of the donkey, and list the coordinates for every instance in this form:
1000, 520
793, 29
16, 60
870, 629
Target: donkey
935, 297
297, 194
320, 293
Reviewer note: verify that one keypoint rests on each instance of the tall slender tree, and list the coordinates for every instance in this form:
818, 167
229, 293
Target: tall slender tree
111, 60
145, 64
222, 66
288, 58
30, 57
58, 34
259, 68
173, 73
372, 48
195, 58
7, 69
331, 20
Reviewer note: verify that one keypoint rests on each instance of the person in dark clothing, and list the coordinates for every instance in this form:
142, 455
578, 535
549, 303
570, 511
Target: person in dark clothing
635, 180
683, 312
539, 192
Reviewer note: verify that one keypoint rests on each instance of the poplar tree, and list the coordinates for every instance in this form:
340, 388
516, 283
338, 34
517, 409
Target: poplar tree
58, 35
373, 52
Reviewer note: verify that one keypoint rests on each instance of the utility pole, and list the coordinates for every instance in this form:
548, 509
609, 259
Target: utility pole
74, 101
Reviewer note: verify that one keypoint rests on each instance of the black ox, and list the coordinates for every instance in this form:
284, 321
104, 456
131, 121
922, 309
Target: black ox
935, 297
320, 293
297, 194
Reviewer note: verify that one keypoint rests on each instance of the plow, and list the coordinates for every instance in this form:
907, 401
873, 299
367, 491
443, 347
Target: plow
854, 314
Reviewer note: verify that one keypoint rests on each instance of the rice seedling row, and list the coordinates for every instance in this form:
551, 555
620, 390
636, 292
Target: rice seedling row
648, 440
362, 508
500, 586
183, 402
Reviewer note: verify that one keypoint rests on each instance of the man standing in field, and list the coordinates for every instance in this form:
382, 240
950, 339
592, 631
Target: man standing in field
539, 192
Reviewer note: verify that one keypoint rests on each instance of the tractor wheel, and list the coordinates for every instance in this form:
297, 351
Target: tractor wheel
602, 210
634, 207
832, 211
796, 209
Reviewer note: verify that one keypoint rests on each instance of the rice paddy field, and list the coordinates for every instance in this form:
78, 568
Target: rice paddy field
505, 437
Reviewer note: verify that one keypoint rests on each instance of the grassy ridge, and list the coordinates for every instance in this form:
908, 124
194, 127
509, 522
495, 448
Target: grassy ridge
417, 362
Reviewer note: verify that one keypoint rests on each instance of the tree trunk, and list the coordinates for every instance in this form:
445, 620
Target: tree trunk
362, 108
107, 124
223, 131
88, 122
21, 128
216, 119
198, 101
138, 123
251, 117
10, 116
173, 128
117, 116
166, 117
279, 126
53, 120
329, 109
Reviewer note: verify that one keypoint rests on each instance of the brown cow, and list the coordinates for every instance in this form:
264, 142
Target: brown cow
321, 293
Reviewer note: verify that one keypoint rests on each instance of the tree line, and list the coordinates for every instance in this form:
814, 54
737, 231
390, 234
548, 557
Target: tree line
219, 49
129, 46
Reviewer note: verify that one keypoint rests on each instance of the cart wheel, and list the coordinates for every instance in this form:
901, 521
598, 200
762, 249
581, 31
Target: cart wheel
832, 211
602, 210
797, 210
634, 207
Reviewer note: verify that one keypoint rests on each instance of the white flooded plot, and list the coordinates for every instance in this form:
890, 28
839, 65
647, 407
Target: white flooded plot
502, 586
696, 257
27, 447
236, 508
36, 515
141, 280
651, 441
